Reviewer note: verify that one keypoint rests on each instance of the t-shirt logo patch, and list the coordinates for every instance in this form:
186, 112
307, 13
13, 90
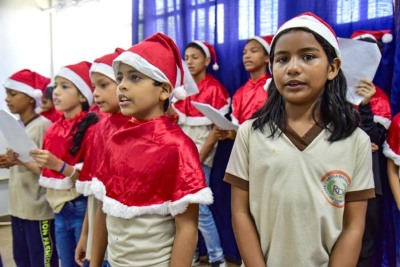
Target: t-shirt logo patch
335, 185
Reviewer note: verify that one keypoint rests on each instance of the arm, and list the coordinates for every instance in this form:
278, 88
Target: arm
208, 144
185, 237
46, 159
4, 162
393, 174
99, 244
245, 231
80, 250
346, 250
225, 134
12, 158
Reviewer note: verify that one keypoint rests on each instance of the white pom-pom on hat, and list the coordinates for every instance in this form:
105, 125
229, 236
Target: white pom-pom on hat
215, 66
387, 38
384, 35
179, 92
37, 93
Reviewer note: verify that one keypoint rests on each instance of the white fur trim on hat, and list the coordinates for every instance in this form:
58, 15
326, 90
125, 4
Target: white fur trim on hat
313, 24
117, 209
78, 82
389, 153
26, 89
204, 47
264, 43
61, 183
104, 69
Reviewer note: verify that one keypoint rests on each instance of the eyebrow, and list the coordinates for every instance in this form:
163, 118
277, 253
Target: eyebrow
303, 50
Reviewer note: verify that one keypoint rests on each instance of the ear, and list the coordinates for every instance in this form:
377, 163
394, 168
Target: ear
208, 60
334, 68
166, 90
82, 99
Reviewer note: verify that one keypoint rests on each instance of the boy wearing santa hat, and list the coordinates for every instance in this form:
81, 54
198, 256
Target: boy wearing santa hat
32, 219
154, 177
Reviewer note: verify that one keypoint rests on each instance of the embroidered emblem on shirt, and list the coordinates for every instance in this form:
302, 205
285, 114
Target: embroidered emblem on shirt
335, 184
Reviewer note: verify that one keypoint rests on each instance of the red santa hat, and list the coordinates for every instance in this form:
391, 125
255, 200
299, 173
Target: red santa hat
78, 74
313, 23
209, 51
384, 35
265, 41
157, 57
103, 64
28, 82
391, 148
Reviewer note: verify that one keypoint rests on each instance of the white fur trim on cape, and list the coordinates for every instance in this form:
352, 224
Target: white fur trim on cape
117, 209
62, 183
389, 153
385, 122
78, 82
84, 187
78, 166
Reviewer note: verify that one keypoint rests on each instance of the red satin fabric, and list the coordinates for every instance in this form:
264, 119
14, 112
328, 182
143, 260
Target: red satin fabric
58, 140
105, 128
249, 98
211, 92
150, 163
52, 114
380, 104
393, 135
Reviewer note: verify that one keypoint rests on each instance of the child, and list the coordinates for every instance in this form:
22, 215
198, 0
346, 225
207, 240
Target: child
64, 151
392, 152
105, 97
154, 177
253, 94
199, 128
47, 108
32, 219
311, 213
375, 115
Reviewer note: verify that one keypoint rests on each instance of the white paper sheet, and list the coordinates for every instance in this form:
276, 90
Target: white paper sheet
215, 116
360, 60
16, 137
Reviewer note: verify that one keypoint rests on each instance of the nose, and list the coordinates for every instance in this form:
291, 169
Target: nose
56, 91
7, 99
293, 67
122, 85
95, 92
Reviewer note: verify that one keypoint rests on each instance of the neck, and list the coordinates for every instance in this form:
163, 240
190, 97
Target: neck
256, 74
69, 114
302, 113
199, 76
27, 116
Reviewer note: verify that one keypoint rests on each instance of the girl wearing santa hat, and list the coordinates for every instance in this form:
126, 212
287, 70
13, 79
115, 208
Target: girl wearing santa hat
311, 213
391, 149
198, 127
32, 219
105, 97
154, 180
64, 151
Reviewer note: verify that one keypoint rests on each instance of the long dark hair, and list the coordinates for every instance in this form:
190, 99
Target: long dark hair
338, 116
78, 130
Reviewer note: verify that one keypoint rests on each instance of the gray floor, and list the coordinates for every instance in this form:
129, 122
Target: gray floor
6, 247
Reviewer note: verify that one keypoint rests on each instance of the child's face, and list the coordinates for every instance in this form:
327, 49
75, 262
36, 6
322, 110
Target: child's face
66, 96
137, 94
47, 104
301, 68
254, 56
18, 102
105, 93
196, 61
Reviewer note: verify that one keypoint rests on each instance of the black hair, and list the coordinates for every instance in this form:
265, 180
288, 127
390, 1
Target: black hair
78, 130
194, 45
265, 51
166, 102
48, 93
338, 116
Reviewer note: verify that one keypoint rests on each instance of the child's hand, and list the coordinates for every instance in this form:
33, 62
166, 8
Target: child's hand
12, 157
374, 147
4, 163
225, 134
366, 89
80, 252
47, 160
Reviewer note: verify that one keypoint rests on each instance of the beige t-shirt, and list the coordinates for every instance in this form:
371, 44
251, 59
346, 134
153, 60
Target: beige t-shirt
297, 197
199, 135
142, 241
27, 200
57, 198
